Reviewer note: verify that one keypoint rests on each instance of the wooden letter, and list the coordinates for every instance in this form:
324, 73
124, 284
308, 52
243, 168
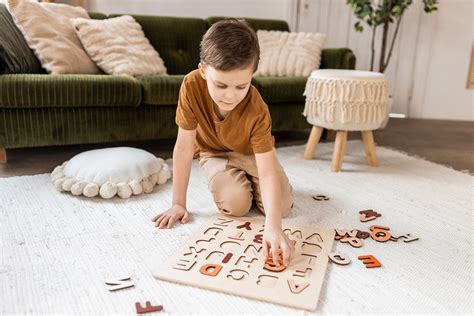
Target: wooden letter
370, 261
214, 269
148, 308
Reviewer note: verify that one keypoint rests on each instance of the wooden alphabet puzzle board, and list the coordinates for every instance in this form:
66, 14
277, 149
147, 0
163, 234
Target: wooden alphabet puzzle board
226, 256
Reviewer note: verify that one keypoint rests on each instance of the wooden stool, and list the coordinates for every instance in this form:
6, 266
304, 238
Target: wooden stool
340, 147
345, 100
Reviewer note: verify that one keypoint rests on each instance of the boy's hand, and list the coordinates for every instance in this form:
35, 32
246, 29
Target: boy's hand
171, 216
274, 239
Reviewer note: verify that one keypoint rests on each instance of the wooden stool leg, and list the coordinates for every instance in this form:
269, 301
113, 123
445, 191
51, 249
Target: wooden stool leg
313, 141
369, 146
339, 149
3, 155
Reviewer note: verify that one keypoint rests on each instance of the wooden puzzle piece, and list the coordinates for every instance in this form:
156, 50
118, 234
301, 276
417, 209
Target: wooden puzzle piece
408, 238
210, 269
268, 281
120, 283
368, 215
370, 261
237, 236
270, 264
227, 257
148, 308
353, 241
297, 288
303, 274
258, 238
362, 235
380, 233
242, 274
320, 197
339, 258
246, 225
184, 264
341, 233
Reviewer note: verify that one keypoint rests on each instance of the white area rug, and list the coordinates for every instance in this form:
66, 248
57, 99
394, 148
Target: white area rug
57, 250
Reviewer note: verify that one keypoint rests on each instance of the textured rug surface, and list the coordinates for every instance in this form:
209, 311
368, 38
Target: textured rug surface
57, 250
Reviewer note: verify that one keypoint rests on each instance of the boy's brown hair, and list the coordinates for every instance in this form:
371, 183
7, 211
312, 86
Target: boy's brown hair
230, 44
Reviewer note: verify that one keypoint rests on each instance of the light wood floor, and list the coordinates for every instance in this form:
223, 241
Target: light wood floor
449, 143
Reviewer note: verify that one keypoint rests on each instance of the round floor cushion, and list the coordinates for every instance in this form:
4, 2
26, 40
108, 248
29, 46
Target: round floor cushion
122, 171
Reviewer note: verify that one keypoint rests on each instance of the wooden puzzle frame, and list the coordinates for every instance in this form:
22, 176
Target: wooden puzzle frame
226, 256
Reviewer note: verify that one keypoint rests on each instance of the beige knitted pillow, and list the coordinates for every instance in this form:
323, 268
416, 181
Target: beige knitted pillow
289, 54
119, 46
49, 33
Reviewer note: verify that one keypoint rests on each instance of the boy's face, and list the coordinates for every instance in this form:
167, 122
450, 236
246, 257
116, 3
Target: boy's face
227, 88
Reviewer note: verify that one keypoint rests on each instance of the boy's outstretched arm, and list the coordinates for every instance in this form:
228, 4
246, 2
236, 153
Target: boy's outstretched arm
182, 158
273, 236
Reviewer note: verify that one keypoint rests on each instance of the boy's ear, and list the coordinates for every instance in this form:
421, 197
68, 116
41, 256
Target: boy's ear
202, 72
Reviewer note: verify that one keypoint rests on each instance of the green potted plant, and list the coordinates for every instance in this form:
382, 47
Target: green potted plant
377, 13
383, 13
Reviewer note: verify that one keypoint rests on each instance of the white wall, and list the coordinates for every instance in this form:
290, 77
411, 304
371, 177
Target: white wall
430, 63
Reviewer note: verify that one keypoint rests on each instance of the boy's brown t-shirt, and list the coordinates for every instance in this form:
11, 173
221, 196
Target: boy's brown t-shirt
246, 129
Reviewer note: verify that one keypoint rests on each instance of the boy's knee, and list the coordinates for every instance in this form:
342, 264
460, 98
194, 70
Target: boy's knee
236, 203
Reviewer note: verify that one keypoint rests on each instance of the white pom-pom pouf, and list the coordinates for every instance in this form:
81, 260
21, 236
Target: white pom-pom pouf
121, 171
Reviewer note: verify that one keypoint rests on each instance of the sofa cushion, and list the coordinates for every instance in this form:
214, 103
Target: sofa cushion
280, 89
38, 91
17, 55
175, 39
160, 90
257, 24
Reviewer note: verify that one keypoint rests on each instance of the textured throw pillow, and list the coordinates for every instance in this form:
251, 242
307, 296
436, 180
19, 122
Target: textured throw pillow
121, 171
119, 46
48, 31
289, 54
15, 54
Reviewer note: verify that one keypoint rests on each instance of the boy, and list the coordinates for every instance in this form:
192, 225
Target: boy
221, 113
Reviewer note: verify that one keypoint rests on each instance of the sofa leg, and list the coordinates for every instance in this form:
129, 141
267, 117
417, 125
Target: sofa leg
3, 155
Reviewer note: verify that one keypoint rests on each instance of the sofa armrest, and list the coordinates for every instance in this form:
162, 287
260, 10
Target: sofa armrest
338, 58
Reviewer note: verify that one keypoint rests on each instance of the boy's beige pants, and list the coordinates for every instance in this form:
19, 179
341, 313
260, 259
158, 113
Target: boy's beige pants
233, 181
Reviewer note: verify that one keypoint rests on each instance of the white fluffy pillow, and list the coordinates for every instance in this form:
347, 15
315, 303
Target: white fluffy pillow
121, 171
119, 46
289, 54
48, 31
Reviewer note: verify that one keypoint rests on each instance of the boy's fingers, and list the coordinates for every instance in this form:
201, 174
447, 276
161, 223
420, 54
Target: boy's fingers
158, 221
171, 221
276, 259
185, 218
156, 217
164, 221
265, 250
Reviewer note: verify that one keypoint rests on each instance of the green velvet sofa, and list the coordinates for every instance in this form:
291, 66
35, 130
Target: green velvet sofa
39, 109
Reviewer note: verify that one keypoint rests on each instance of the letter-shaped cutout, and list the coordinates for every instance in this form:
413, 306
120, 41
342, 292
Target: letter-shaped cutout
227, 257
216, 230
120, 283
223, 222
310, 247
370, 261
246, 225
210, 269
268, 281
237, 274
202, 241
243, 261
184, 265
303, 274
193, 252
314, 238
339, 258
230, 246
255, 250
237, 236
297, 233
215, 255
297, 288
148, 308
311, 258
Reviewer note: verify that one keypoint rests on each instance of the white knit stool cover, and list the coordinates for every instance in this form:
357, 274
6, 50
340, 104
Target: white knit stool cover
345, 100
348, 100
